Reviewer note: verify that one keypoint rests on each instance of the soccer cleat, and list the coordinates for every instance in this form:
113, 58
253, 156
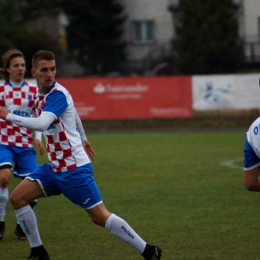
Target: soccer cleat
38, 257
2, 229
157, 253
19, 233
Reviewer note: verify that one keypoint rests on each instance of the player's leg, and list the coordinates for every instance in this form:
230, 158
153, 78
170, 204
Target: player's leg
82, 190
6, 160
251, 179
5, 173
36, 185
122, 230
25, 163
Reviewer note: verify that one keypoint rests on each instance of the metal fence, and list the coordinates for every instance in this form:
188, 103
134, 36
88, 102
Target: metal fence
252, 49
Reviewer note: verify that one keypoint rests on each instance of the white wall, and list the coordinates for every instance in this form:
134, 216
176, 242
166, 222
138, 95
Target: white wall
251, 14
155, 10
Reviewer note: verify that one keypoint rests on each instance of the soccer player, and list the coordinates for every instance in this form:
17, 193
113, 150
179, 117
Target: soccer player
69, 165
252, 157
16, 142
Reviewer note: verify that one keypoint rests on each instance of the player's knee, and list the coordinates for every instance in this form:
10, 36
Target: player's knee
99, 215
98, 220
4, 180
14, 199
249, 185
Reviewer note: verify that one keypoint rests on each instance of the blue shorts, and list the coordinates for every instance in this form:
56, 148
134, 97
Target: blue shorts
78, 185
251, 160
24, 159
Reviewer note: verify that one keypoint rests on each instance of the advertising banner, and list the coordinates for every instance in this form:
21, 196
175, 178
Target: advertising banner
131, 97
226, 92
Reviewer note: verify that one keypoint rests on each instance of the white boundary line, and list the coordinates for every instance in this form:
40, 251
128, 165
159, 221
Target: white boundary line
232, 164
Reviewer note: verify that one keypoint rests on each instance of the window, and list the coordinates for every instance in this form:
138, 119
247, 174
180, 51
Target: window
143, 31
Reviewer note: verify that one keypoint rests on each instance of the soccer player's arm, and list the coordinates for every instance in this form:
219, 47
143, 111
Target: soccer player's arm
38, 142
38, 136
42, 122
80, 127
85, 143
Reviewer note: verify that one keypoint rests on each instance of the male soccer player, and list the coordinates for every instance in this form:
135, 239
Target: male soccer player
252, 157
70, 170
16, 142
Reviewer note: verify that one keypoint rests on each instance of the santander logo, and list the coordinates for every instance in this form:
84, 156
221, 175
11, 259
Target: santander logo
137, 88
99, 88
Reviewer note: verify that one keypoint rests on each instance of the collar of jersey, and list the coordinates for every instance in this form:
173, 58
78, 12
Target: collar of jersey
10, 84
50, 88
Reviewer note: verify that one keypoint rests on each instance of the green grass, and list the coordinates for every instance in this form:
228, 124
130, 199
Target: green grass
172, 188
212, 119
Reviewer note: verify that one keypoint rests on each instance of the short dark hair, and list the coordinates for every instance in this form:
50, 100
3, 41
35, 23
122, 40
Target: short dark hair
6, 59
42, 55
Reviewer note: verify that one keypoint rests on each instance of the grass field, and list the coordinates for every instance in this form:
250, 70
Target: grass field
181, 190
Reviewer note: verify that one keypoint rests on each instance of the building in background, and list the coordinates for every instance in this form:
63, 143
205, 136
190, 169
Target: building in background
149, 30
250, 30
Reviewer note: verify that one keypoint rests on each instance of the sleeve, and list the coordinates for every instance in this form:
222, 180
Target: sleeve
80, 127
38, 135
56, 103
40, 123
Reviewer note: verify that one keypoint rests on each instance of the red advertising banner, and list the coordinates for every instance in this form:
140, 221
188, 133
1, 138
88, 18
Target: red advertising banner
131, 97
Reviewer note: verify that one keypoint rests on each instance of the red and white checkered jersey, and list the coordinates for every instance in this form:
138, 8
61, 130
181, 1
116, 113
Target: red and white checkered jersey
64, 145
18, 99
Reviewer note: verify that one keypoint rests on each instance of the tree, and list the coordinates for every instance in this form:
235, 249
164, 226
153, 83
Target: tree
31, 9
14, 14
11, 31
207, 40
94, 33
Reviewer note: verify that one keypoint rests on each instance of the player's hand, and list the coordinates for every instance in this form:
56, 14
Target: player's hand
40, 146
89, 150
4, 112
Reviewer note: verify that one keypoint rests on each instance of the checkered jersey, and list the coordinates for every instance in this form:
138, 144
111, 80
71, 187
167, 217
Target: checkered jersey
64, 146
20, 101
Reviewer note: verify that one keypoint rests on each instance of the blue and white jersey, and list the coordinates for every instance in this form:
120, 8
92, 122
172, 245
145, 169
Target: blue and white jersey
64, 145
252, 146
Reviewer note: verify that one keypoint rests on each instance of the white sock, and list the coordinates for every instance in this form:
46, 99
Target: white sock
32, 208
28, 223
119, 227
4, 196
